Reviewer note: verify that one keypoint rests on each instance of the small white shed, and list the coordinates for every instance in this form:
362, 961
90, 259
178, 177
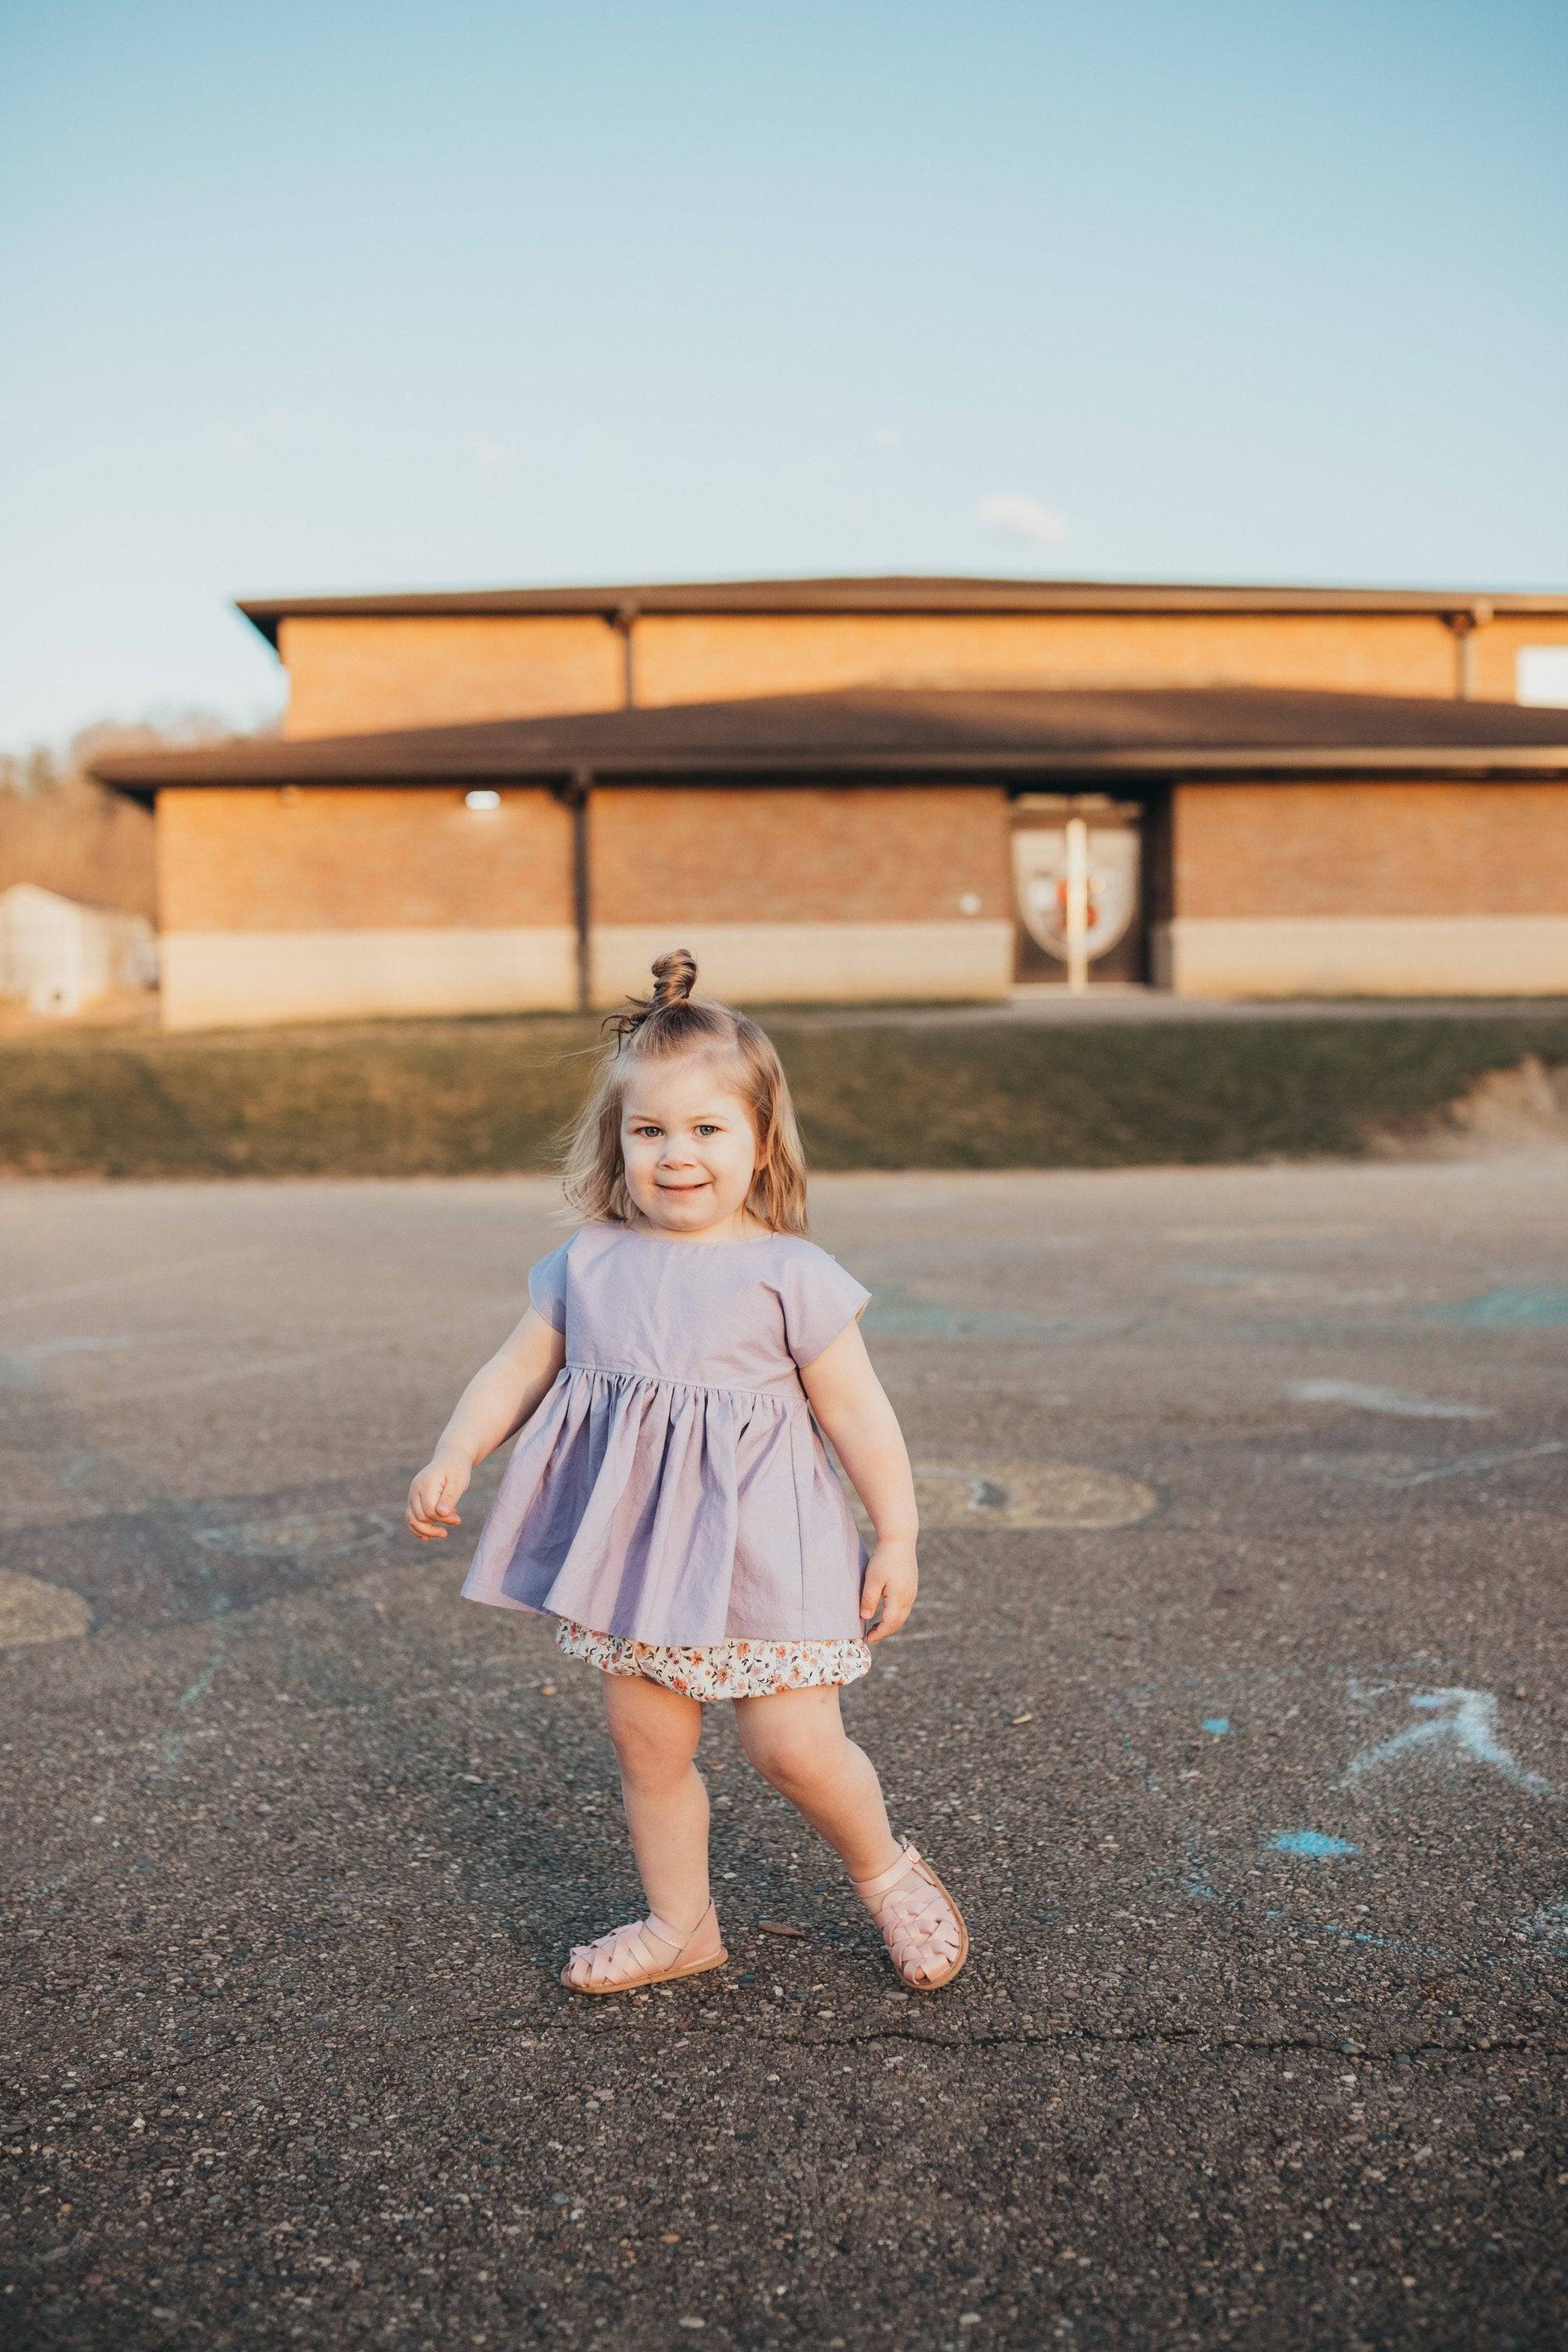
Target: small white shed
57, 954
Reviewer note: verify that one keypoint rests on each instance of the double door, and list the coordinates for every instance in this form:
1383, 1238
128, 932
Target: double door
1078, 890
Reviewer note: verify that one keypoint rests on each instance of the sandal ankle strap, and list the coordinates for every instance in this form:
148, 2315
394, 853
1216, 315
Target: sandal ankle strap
868, 1889
668, 1934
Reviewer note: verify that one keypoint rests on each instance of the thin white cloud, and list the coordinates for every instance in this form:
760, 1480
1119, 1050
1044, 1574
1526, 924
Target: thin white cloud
1017, 516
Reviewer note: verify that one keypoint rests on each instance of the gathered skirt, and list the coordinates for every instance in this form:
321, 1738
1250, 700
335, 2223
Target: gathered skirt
669, 1512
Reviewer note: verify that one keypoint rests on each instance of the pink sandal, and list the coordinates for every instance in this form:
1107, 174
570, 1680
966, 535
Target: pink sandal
921, 1925
624, 1961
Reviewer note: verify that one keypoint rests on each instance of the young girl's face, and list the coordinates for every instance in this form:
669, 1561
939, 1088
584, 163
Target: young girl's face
688, 1144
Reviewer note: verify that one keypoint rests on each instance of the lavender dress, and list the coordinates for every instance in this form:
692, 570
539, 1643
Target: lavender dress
672, 1488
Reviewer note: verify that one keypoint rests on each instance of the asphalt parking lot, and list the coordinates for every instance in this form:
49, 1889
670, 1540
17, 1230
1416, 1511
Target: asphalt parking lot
1233, 1711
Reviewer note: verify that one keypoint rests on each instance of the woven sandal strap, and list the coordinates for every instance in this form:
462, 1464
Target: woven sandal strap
926, 1923
668, 1934
618, 1953
613, 1955
870, 1890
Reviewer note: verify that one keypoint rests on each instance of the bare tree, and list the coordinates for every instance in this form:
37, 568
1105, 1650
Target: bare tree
64, 831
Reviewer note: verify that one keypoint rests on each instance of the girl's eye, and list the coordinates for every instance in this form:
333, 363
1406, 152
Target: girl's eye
706, 1126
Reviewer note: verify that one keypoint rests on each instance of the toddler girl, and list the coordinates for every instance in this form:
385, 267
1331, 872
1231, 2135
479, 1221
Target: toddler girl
670, 1500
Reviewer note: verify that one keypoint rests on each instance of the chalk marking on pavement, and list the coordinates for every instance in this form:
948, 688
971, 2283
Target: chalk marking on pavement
1358, 1935
1549, 1924
1462, 1466
1546, 1930
174, 1739
1217, 1725
1376, 1400
323, 1533
1024, 1494
1458, 1718
203, 1682
1196, 1882
1542, 1309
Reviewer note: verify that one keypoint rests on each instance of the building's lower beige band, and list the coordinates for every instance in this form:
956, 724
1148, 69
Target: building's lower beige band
215, 980
1362, 955
814, 963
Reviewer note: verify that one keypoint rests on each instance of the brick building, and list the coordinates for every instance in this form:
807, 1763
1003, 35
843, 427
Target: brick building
862, 789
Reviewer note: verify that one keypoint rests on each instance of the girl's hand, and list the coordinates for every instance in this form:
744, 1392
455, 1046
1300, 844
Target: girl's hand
435, 1495
892, 1580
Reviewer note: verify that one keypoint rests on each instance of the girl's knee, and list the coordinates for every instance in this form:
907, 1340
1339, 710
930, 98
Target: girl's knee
652, 1742
794, 1756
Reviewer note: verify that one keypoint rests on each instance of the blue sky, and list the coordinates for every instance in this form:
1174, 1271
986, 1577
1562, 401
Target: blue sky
340, 296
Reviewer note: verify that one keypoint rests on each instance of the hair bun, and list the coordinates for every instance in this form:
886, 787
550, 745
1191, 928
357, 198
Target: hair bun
674, 978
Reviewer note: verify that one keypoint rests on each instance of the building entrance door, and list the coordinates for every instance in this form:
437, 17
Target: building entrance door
1078, 883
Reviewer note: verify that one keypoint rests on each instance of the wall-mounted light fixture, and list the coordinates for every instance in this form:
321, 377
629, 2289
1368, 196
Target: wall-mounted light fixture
482, 800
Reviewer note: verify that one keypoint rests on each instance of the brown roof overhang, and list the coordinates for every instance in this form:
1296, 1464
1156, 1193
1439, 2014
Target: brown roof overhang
895, 595
893, 735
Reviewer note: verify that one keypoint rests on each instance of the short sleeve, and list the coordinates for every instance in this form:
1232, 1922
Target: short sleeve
820, 1300
547, 1287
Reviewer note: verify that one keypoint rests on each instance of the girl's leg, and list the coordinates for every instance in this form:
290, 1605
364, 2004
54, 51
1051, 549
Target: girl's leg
656, 1732
797, 1741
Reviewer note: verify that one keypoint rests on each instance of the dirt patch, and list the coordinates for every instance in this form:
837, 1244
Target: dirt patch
1502, 1114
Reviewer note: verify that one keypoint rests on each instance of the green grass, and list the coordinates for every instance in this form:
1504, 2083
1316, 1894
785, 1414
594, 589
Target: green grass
467, 1097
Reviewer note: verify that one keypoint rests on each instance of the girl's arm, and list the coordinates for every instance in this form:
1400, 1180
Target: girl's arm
497, 1402
851, 1404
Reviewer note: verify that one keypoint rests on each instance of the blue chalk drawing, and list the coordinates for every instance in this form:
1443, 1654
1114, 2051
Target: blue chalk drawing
1375, 1400
1357, 1935
1464, 1720
1311, 1845
1550, 1926
1506, 1310
1196, 1881
1218, 1725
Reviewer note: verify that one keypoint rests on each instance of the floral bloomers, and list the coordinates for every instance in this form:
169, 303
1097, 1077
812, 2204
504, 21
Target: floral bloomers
719, 1669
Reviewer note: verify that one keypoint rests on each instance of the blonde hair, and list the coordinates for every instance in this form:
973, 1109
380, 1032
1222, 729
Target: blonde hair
655, 1028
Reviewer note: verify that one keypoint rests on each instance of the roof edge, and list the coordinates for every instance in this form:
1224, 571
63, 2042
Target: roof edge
906, 593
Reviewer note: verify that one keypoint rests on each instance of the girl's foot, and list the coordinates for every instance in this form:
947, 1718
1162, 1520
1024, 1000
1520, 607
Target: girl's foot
921, 1925
648, 1952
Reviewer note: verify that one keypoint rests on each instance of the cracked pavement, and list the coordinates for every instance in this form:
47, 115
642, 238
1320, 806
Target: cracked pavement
1252, 1787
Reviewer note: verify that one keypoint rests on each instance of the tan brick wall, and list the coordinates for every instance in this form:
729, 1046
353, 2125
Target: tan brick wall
1496, 649
352, 676
1298, 850
798, 854
327, 858
712, 658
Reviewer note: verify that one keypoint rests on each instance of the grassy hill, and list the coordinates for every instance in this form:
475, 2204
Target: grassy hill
471, 1097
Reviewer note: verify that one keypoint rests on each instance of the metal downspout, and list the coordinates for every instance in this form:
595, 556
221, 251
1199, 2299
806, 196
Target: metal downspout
624, 620
575, 796
1466, 623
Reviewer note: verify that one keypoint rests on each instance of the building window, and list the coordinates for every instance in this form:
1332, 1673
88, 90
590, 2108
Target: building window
1540, 675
